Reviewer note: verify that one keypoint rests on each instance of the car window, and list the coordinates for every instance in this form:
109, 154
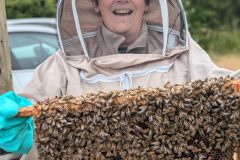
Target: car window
28, 50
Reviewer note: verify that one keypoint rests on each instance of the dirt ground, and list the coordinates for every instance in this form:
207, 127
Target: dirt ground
229, 61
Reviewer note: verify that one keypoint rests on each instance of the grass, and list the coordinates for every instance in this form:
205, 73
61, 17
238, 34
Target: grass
229, 61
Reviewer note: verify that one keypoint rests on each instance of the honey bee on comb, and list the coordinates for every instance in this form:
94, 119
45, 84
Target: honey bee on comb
197, 120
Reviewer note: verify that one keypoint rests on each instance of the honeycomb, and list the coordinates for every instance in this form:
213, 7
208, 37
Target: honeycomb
197, 120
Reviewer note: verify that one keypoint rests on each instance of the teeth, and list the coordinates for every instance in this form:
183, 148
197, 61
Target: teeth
122, 11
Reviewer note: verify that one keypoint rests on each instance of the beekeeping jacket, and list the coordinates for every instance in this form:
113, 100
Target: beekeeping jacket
89, 61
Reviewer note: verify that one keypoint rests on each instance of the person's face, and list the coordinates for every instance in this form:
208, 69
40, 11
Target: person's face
122, 16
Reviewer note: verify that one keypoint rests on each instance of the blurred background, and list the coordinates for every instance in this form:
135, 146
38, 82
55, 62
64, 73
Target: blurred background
214, 24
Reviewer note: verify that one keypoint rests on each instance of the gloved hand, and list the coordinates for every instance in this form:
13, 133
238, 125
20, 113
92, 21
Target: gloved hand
16, 133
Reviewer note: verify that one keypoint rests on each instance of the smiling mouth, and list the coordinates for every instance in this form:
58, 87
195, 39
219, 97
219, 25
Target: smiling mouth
122, 12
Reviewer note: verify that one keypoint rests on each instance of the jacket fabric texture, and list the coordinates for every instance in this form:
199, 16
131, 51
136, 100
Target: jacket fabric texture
145, 64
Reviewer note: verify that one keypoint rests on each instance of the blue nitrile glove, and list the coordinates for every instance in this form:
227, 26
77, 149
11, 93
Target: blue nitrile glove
16, 133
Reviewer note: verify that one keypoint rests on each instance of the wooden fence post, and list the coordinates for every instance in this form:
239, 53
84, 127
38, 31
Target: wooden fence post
5, 61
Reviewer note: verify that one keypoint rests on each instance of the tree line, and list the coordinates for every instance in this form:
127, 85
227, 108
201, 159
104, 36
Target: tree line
214, 24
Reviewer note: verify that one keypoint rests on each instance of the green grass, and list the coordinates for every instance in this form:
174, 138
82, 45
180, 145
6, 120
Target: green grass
221, 42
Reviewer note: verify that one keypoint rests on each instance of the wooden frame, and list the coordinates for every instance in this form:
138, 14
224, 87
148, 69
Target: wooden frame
5, 61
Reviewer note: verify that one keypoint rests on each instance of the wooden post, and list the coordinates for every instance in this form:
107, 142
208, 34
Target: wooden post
5, 61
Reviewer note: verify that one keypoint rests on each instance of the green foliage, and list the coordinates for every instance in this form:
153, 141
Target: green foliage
30, 8
215, 24
224, 42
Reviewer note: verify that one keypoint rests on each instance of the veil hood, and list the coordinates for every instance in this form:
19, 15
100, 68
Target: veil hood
76, 18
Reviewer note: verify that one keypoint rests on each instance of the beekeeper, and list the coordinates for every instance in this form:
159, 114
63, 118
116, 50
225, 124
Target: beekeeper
109, 45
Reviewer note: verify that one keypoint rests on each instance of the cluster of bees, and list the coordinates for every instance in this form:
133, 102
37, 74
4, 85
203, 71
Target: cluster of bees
197, 120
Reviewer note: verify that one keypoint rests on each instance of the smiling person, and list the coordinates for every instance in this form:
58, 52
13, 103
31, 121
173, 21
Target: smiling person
113, 45
122, 18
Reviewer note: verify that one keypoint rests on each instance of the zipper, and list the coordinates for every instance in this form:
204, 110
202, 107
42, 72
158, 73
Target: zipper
125, 79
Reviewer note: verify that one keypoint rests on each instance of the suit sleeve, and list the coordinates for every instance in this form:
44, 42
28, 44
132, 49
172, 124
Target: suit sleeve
48, 80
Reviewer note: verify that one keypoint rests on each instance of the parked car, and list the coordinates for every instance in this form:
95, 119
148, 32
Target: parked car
50, 22
30, 45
